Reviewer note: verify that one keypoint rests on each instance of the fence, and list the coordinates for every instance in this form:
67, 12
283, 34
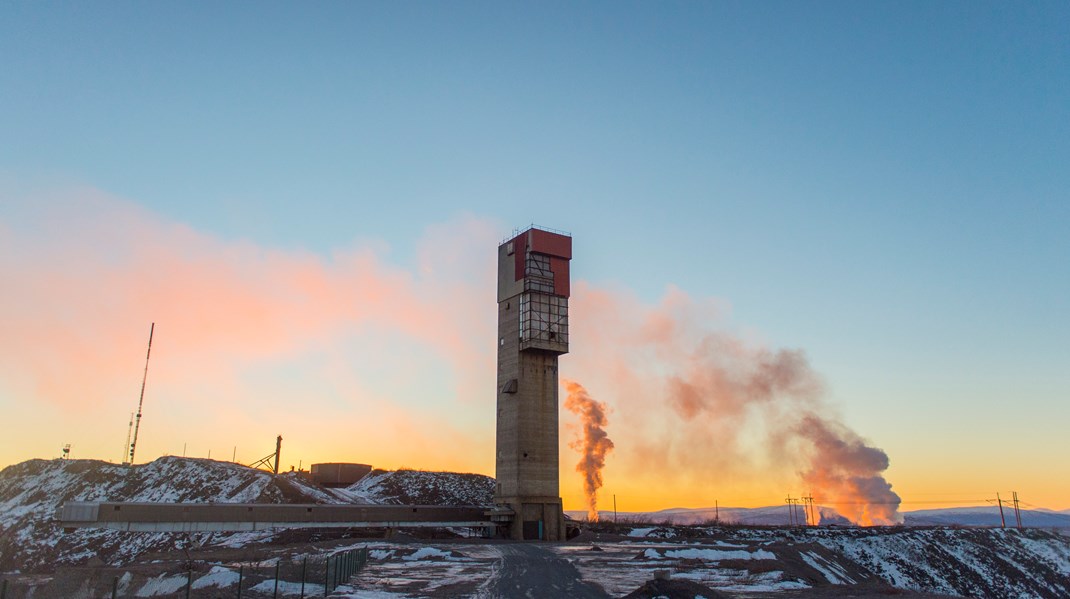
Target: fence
288, 576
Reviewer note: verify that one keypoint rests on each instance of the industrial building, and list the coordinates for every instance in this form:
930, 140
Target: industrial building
231, 517
338, 474
533, 291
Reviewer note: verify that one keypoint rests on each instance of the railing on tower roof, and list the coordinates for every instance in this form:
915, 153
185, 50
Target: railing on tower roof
519, 230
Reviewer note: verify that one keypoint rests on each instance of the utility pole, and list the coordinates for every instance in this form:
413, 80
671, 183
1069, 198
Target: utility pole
1002, 521
614, 508
144, 378
1017, 512
808, 507
716, 512
278, 450
791, 511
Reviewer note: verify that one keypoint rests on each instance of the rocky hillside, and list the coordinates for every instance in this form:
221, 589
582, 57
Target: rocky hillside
32, 492
417, 487
965, 562
980, 562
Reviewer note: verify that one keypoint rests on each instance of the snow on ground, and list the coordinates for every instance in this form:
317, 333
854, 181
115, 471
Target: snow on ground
162, 585
832, 572
403, 569
742, 581
1058, 555
348, 496
968, 562
285, 588
709, 555
348, 592
241, 539
426, 553
417, 487
621, 567
972, 562
641, 532
218, 576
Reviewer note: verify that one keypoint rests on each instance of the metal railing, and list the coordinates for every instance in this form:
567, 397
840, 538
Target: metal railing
519, 230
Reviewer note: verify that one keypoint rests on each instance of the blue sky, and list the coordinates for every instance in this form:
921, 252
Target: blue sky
881, 184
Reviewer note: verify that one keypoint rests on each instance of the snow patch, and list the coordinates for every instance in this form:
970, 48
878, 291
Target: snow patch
218, 576
641, 532
285, 587
426, 553
832, 572
709, 555
162, 585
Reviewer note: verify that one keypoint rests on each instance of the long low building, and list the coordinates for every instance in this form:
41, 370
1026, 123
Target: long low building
236, 517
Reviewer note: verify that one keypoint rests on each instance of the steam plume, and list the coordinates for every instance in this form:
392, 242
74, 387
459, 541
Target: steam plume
721, 408
847, 471
593, 443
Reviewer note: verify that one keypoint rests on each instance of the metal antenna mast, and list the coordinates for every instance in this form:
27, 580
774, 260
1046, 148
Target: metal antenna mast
126, 448
137, 425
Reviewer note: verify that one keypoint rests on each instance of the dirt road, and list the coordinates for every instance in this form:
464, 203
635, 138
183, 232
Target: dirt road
528, 570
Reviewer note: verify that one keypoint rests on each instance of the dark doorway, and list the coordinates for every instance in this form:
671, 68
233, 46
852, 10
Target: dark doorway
532, 530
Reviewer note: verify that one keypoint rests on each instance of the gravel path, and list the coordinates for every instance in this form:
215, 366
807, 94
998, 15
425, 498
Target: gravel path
528, 570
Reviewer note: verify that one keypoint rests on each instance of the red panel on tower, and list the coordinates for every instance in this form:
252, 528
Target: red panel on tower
559, 266
545, 242
520, 254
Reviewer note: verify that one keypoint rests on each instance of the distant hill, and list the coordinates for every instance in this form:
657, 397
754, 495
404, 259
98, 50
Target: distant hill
761, 516
986, 516
779, 516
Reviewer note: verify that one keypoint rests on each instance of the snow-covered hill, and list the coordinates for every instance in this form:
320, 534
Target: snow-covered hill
32, 492
417, 487
967, 562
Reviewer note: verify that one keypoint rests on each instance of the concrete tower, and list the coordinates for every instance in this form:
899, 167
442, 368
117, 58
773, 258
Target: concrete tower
533, 290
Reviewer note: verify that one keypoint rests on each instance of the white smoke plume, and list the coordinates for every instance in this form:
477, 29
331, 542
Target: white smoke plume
707, 408
592, 442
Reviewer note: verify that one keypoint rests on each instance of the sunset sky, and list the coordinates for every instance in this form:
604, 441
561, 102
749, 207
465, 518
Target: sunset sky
307, 200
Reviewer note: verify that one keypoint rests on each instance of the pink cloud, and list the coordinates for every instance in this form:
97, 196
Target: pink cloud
86, 273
